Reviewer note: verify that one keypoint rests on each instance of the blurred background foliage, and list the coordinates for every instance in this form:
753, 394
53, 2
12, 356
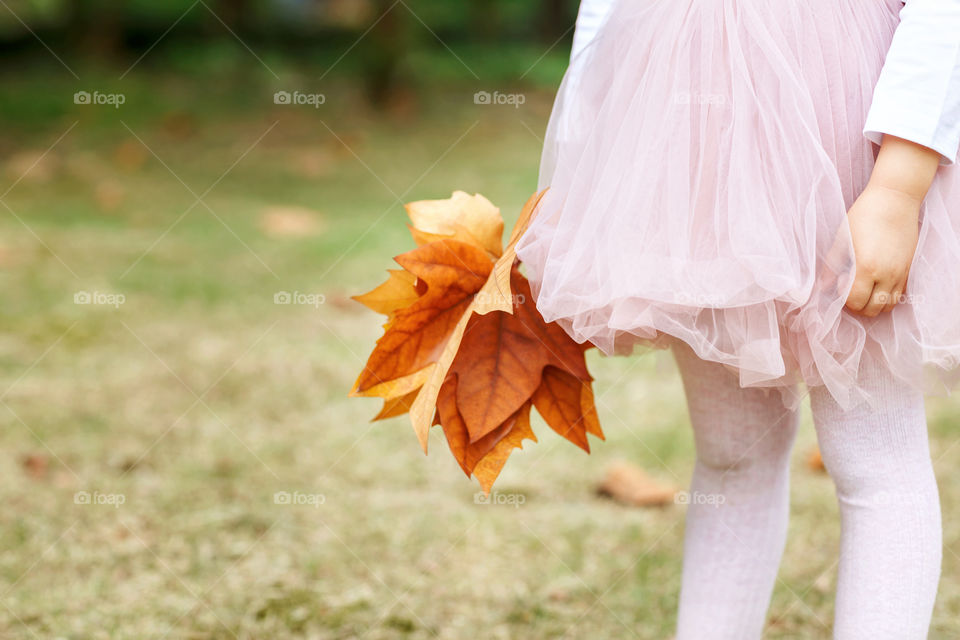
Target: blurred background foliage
390, 55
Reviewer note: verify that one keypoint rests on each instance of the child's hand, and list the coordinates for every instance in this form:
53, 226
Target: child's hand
884, 224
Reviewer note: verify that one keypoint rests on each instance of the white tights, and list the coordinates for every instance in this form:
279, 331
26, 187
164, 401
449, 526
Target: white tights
879, 459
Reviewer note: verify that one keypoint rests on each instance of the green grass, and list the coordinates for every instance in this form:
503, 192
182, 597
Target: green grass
198, 399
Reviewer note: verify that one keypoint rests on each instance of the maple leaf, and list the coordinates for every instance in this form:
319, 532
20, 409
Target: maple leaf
470, 219
464, 345
628, 483
453, 271
502, 357
495, 295
399, 291
469, 453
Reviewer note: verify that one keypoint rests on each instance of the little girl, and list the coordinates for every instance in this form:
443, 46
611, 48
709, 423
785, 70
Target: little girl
750, 183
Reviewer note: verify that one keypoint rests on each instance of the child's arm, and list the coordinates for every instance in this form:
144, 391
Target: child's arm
915, 117
917, 96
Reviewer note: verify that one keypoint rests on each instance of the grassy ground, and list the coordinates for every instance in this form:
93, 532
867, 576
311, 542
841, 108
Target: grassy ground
194, 399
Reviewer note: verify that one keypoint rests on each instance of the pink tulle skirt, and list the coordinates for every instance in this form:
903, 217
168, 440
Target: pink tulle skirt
701, 158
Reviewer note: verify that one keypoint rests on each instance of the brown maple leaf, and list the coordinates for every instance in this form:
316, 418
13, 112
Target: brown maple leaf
502, 357
464, 345
467, 452
495, 295
453, 272
629, 484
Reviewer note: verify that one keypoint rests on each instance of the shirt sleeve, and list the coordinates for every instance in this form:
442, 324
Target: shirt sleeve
591, 15
917, 96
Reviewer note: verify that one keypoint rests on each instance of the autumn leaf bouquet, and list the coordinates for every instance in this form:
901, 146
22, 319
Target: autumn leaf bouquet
464, 345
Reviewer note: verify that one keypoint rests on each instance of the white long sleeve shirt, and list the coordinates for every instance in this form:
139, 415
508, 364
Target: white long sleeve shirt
918, 94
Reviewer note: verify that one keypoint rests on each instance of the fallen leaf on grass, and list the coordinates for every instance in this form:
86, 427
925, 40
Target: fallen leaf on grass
130, 155
33, 165
35, 465
629, 484
110, 195
289, 222
815, 460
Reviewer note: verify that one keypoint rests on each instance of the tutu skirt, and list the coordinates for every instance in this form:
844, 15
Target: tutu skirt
701, 158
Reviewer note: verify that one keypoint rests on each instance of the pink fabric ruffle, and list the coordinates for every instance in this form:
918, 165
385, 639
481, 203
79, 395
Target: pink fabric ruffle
701, 158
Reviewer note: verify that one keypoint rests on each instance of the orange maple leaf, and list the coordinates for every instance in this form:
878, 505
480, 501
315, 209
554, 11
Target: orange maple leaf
502, 357
453, 272
464, 345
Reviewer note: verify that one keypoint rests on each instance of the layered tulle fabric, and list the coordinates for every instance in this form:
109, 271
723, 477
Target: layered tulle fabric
701, 158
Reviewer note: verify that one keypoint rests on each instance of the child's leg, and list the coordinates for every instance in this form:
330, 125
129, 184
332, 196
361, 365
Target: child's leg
890, 543
732, 550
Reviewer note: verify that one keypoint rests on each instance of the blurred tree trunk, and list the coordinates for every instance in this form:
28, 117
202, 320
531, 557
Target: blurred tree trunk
96, 27
235, 13
385, 47
485, 20
556, 17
